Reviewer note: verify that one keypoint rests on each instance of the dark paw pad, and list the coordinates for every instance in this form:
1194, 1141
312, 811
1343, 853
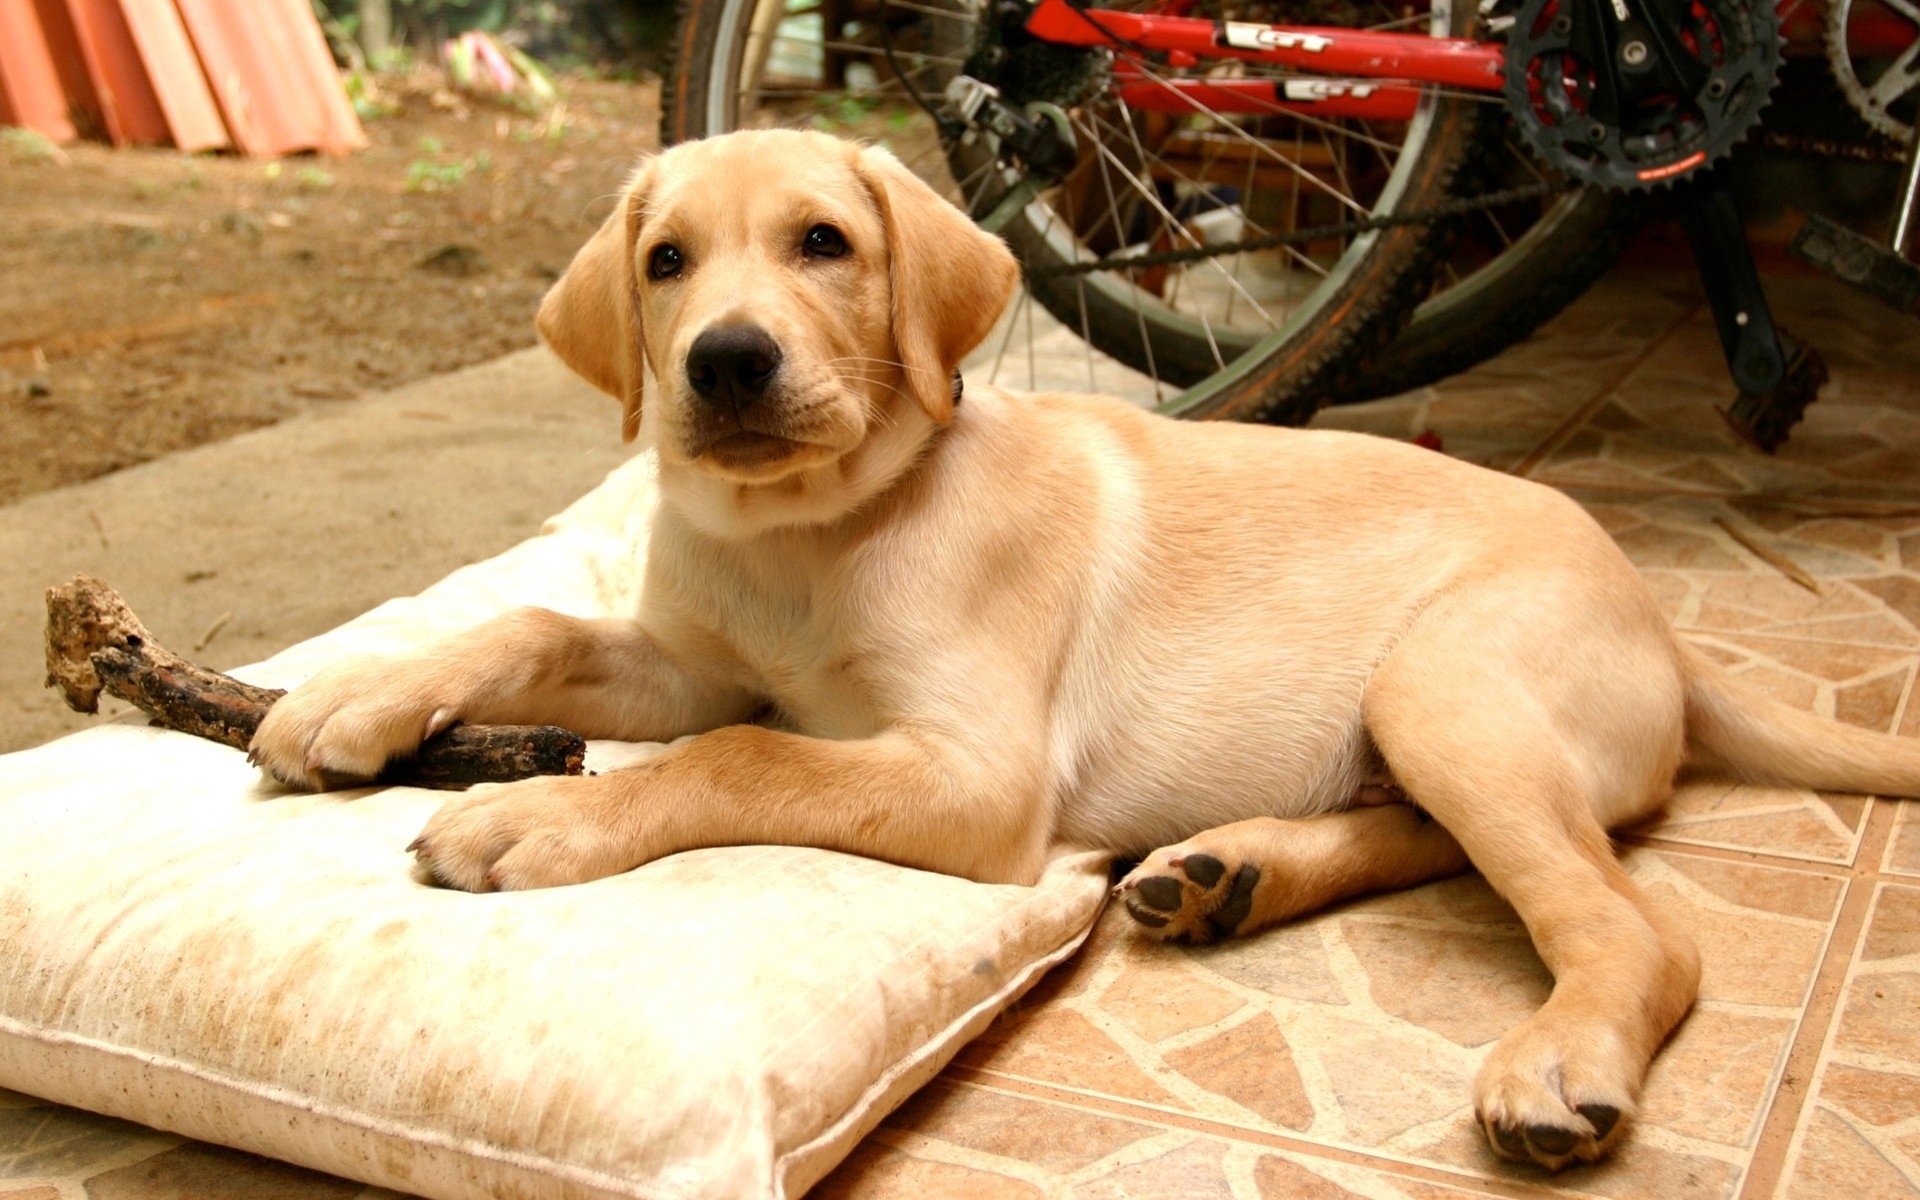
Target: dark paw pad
1551, 1140
1159, 891
1204, 869
1603, 1117
1239, 902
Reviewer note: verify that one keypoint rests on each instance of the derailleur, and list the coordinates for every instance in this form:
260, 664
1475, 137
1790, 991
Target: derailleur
1038, 135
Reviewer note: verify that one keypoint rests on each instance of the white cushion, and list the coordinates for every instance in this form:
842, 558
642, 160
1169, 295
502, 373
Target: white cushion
184, 947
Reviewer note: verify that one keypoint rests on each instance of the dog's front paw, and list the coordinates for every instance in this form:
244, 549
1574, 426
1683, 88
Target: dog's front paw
544, 832
343, 725
1184, 894
1556, 1092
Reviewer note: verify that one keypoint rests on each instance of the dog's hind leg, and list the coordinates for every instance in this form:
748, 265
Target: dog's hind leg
1237, 878
1521, 727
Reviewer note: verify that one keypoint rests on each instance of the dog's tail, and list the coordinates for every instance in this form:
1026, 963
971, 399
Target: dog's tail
1733, 729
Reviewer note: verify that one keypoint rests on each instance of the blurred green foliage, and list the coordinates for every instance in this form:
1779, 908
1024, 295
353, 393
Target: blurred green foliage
613, 36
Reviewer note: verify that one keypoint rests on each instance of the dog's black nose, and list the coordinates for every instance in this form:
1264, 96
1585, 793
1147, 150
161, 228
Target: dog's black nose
733, 364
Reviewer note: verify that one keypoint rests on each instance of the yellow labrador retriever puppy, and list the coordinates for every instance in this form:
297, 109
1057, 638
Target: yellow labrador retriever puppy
990, 623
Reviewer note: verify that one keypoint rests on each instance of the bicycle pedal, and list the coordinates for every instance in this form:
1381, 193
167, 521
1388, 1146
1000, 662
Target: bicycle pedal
1869, 265
1764, 419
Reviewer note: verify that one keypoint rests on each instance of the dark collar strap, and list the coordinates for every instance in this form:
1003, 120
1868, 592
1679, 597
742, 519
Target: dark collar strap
958, 386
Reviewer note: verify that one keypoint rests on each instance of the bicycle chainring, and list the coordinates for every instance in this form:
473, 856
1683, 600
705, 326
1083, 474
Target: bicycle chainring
1883, 92
1596, 100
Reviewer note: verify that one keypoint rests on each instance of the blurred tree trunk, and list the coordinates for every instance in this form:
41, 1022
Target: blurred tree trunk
376, 30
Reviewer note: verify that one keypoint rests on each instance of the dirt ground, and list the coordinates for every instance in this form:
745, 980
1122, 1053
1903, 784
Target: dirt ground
151, 301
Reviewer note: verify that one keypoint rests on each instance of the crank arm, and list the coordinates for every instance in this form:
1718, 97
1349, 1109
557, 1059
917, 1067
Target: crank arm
1778, 375
1719, 241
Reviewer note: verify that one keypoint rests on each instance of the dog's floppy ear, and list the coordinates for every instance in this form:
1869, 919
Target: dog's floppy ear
591, 317
950, 279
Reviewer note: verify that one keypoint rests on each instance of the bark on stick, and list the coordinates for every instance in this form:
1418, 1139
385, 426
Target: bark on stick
95, 644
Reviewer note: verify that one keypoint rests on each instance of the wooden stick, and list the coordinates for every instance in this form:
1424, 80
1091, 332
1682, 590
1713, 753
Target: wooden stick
1773, 558
95, 644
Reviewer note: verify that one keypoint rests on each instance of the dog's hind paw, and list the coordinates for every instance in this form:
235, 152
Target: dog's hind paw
1180, 895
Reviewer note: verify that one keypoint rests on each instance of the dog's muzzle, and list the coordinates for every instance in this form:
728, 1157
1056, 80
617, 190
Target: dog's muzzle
732, 367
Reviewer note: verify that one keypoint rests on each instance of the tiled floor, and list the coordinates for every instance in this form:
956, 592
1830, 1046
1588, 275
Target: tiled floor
1331, 1058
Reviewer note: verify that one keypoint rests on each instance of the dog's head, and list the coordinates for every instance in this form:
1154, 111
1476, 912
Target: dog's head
802, 303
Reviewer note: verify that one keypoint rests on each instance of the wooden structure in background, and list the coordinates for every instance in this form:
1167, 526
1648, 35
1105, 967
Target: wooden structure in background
255, 75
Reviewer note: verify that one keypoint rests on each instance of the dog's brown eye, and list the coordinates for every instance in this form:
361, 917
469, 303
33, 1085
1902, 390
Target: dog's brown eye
664, 262
824, 241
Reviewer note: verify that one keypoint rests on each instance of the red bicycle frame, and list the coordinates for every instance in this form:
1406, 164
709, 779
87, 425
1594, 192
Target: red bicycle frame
1358, 73
1330, 53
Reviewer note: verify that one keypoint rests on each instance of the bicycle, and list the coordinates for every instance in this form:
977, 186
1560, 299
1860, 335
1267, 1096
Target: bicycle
1253, 211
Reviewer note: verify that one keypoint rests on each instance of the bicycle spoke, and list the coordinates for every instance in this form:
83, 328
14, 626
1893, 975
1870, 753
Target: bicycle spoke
1175, 226
1201, 109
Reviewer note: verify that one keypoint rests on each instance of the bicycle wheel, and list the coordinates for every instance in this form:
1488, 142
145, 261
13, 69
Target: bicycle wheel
1261, 335
1512, 270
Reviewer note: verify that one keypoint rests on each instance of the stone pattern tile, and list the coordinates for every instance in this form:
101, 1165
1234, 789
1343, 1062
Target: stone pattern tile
972, 1140
1331, 1058
49, 1152
1359, 1030
1903, 847
1659, 430
1860, 1133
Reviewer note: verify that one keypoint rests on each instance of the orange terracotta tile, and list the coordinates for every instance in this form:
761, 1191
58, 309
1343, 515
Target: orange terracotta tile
1289, 962
1277, 1177
1058, 1045
49, 1141
1778, 683
1836, 662
1901, 593
1283, 1179
1882, 1018
1250, 1065
991, 1124
1463, 898
1160, 1003
1895, 930
876, 1170
1876, 1097
1750, 957
1861, 1128
1835, 1158
1194, 1170
196, 1169
1707, 474
1387, 1079
1802, 898
1903, 848
1637, 1170
1714, 1077
1614, 518
1419, 976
